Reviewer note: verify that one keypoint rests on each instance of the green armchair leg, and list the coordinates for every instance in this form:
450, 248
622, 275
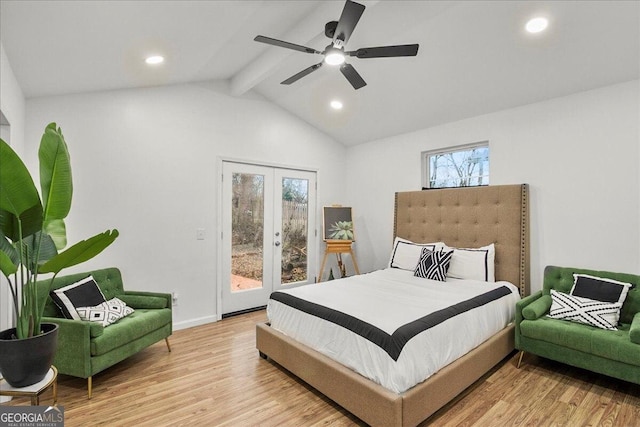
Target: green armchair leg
520, 359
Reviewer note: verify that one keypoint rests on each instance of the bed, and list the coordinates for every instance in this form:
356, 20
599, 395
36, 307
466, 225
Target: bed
463, 218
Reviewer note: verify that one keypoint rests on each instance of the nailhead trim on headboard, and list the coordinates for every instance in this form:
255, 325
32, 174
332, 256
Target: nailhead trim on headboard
524, 242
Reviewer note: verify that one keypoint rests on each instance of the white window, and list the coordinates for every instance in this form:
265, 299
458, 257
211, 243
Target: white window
462, 166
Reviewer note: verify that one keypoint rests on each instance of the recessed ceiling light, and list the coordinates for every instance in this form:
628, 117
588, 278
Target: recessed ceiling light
153, 60
336, 105
537, 25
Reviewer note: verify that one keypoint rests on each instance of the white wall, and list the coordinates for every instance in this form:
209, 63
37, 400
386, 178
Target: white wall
12, 102
579, 154
12, 105
145, 162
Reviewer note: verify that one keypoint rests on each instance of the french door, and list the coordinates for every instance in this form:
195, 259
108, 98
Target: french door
268, 232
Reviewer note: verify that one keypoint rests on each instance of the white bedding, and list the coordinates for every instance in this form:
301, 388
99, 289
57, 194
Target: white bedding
388, 300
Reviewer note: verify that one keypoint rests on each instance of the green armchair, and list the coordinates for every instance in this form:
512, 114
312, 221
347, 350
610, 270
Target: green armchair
86, 348
615, 353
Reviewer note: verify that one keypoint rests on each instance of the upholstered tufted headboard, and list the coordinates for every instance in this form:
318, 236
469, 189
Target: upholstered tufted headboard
470, 217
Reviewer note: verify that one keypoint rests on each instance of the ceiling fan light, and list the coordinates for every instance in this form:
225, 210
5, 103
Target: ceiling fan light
334, 58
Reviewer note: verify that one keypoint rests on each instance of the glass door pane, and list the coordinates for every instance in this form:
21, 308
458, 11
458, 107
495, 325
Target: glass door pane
295, 230
247, 226
247, 245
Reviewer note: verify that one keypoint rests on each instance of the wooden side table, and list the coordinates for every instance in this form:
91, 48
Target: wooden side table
33, 391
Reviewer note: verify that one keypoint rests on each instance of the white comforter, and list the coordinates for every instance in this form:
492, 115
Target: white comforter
388, 299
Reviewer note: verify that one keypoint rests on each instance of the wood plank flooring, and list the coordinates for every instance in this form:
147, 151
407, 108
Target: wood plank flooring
214, 377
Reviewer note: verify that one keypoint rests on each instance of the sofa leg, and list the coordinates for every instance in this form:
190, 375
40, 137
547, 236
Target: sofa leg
168, 345
520, 359
90, 386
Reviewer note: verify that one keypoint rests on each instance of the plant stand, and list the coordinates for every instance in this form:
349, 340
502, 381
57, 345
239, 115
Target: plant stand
33, 391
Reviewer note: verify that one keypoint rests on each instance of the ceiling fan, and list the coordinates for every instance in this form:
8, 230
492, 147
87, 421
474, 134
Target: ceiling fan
334, 53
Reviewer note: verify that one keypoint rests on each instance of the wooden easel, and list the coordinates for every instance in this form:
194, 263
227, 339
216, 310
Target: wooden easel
338, 247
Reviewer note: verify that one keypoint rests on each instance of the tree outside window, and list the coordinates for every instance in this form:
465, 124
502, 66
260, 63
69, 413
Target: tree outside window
456, 167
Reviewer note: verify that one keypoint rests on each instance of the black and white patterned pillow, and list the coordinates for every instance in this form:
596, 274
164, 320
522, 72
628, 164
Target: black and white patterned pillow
599, 288
433, 265
603, 315
83, 293
106, 313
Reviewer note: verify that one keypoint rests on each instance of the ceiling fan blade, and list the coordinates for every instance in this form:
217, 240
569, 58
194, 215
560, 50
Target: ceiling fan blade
352, 75
350, 16
301, 74
280, 43
385, 51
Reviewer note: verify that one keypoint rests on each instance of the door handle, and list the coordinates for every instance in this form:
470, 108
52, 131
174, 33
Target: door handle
277, 243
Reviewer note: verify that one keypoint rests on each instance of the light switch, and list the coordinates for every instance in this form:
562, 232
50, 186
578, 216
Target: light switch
200, 233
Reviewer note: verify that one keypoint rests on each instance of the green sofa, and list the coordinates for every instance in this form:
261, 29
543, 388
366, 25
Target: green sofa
86, 348
608, 352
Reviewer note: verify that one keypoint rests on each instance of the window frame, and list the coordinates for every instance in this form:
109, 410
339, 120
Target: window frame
426, 155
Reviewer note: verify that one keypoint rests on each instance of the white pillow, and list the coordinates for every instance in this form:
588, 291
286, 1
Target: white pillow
473, 263
106, 313
603, 315
406, 254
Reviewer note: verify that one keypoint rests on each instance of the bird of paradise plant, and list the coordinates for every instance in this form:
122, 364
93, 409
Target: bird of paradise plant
32, 229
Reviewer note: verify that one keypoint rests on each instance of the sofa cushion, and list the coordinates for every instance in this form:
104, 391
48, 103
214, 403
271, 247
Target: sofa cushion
95, 329
83, 293
614, 345
143, 301
130, 328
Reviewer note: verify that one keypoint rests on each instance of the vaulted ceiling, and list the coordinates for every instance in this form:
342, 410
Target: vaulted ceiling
474, 58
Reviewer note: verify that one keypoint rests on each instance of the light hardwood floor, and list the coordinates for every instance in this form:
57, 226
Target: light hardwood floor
214, 377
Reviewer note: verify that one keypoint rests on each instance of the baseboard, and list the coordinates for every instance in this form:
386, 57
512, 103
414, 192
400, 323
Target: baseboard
185, 324
245, 311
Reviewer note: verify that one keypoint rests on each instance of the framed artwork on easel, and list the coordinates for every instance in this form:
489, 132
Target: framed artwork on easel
337, 223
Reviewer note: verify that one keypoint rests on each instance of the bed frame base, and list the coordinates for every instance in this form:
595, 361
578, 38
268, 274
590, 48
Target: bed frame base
371, 402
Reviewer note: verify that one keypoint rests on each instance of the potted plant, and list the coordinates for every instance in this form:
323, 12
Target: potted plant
32, 232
